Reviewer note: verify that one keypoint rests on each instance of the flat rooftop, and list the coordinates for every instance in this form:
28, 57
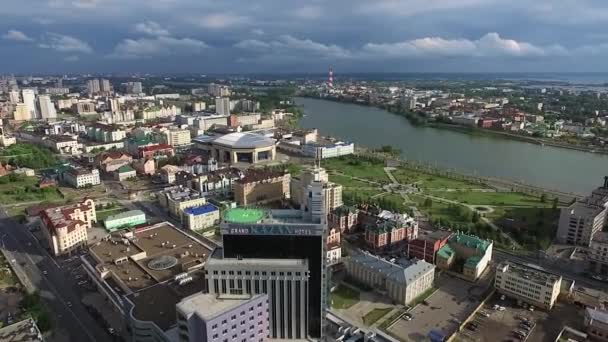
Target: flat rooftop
404, 273
141, 257
530, 272
22, 331
209, 306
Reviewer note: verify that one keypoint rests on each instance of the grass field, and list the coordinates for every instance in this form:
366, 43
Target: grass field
344, 297
15, 189
493, 198
358, 168
346, 181
429, 182
374, 315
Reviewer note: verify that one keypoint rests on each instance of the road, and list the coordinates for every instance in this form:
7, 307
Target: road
56, 288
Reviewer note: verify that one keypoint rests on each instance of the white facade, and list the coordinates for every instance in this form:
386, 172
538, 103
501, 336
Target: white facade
81, 178
177, 137
29, 99
47, 108
197, 218
222, 105
531, 285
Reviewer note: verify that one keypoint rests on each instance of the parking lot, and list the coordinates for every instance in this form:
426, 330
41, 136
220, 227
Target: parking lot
451, 304
501, 325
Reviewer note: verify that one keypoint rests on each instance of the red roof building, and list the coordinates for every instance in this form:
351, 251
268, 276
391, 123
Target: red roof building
155, 151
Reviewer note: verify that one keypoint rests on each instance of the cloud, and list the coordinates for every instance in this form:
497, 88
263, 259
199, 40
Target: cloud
159, 46
288, 45
17, 36
151, 28
258, 32
414, 7
222, 21
490, 44
64, 43
308, 12
73, 58
78, 4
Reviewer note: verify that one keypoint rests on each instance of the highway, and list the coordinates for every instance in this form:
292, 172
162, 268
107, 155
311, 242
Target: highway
57, 287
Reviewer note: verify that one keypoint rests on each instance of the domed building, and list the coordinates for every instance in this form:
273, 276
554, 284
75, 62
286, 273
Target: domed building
241, 147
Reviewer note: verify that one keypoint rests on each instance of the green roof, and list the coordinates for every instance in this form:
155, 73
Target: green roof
244, 215
470, 241
445, 252
140, 141
472, 261
125, 168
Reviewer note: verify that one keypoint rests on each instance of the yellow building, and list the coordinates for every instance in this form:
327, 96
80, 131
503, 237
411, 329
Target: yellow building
261, 186
532, 285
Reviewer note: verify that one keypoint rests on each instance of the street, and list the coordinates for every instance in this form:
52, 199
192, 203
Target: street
56, 287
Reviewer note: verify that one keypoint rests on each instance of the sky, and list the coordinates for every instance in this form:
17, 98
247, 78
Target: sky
282, 36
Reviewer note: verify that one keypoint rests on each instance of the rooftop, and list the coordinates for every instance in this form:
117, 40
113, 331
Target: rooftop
601, 237
257, 175
470, 241
244, 140
125, 214
245, 215
125, 168
180, 193
22, 331
61, 216
397, 273
201, 210
209, 306
597, 315
530, 272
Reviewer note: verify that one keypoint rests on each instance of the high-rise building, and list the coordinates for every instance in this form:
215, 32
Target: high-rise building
93, 86
47, 108
134, 88
527, 283
218, 90
284, 281
29, 99
284, 234
22, 113
105, 86
222, 105
14, 96
318, 179
114, 105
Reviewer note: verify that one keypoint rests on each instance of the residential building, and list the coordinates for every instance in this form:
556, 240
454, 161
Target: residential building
245, 120
529, 284
156, 112
85, 108
105, 86
334, 248
29, 100
425, 247
22, 331
598, 253
402, 282
124, 220
145, 166
317, 176
124, 172
466, 254
14, 97
65, 227
296, 237
199, 106
112, 161
93, 86
47, 108
580, 221
177, 199
197, 164
80, 177
261, 186
222, 105
22, 112
201, 217
168, 173
596, 324
208, 121
283, 281
217, 183
134, 88
105, 133
218, 90
387, 230
344, 218
63, 144
176, 137
156, 151
226, 317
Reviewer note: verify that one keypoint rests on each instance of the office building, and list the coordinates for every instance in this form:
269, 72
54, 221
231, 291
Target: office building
529, 284
386, 230
596, 324
47, 108
65, 227
125, 172
402, 281
176, 137
291, 235
317, 177
93, 86
216, 318
201, 217
29, 99
207, 122
598, 253
466, 254
178, 198
222, 105
80, 177
261, 186
284, 281
124, 220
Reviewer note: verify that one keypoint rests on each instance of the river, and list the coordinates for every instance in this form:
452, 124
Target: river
549, 167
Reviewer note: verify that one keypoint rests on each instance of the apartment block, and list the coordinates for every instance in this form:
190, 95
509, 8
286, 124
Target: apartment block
65, 227
261, 186
177, 199
80, 177
531, 285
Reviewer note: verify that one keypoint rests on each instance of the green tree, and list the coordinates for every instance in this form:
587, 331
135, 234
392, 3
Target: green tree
543, 198
555, 203
428, 203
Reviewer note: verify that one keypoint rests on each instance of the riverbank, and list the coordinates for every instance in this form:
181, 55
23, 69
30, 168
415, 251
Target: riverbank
417, 120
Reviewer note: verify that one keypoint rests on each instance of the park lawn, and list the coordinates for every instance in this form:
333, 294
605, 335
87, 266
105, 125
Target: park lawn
24, 189
493, 198
532, 227
429, 182
357, 195
438, 210
343, 297
396, 202
357, 167
374, 315
346, 181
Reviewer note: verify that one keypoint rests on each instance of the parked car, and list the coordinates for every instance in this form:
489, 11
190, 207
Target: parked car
502, 297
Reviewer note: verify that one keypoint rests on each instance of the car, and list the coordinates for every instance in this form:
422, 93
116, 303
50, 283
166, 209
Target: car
501, 308
111, 331
45, 272
484, 314
496, 307
407, 318
13, 261
471, 327
531, 308
502, 297
69, 304
82, 282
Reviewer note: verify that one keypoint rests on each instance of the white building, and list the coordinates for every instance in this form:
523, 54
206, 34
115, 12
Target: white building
201, 217
176, 137
65, 227
532, 285
402, 283
47, 108
79, 178
222, 105
580, 221
29, 99
598, 253
93, 86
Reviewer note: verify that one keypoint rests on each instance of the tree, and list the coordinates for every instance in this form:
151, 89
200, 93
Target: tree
543, 198
428, 203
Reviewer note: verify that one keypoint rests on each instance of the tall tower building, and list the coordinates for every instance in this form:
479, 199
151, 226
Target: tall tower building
222, 105
93, 86
22, 113
330, 79
47, 108
29, 99
14, 97
105, 86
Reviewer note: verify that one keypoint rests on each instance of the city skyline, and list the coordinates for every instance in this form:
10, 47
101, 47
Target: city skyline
235, 36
